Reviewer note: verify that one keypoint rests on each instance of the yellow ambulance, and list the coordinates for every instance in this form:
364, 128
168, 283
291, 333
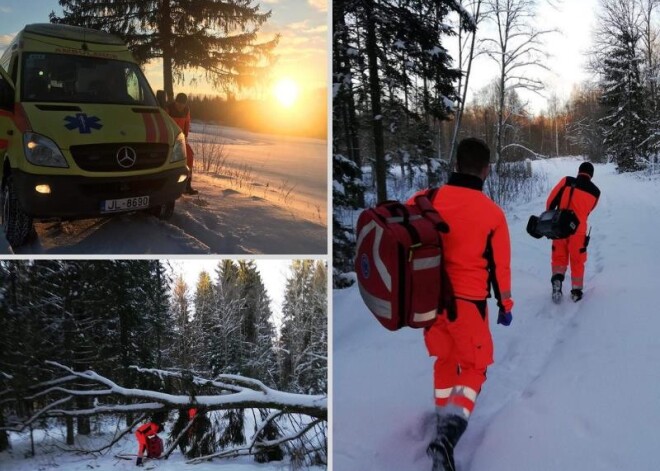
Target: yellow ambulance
81, 132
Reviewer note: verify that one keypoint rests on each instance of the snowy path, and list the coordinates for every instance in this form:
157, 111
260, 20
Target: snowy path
251, 216
573, 386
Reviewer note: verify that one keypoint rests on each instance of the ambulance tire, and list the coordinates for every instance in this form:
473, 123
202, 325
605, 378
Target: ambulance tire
16, 225
164, 211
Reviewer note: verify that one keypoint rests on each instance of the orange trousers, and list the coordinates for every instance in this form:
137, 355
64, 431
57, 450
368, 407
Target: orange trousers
463, 345
571, 251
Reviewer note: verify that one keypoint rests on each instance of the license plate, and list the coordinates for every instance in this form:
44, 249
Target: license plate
124, 204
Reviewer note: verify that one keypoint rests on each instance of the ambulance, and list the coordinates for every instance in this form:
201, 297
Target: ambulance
81, 132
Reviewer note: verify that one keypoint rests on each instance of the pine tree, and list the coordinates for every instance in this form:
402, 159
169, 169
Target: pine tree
219, 36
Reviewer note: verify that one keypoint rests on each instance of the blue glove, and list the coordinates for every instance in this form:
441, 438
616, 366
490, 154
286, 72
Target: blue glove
504, 318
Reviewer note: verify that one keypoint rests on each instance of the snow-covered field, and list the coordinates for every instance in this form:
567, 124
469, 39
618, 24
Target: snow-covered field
277, 206
573, 387
52, 458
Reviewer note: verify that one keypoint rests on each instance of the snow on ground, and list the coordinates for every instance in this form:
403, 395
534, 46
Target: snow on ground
573, 387
276, 203
49, 457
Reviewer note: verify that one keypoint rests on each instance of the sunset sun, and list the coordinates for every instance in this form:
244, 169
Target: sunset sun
286, 91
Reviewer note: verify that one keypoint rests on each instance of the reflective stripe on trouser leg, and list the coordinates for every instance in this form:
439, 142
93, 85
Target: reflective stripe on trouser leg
460, 402
559, 256
577, 283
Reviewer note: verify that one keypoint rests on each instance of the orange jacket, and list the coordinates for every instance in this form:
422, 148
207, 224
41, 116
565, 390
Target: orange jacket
146, 430
477, 249
584, 199
181, 118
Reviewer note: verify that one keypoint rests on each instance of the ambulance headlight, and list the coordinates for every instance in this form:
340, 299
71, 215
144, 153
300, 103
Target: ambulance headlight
179, 151
40, 150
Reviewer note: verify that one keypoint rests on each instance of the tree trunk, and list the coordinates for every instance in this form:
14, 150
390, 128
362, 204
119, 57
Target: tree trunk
374, 88
350, 118
84, 427
166, 46
69, 431
4, 438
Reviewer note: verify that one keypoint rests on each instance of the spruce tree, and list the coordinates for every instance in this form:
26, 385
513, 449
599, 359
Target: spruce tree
218, 36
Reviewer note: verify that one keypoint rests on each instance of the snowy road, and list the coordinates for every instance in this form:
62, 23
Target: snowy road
573, 386
277, 205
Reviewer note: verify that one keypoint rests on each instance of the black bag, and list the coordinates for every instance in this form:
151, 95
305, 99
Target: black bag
554, 223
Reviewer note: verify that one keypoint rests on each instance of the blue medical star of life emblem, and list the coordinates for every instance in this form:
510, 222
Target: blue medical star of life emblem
365, 266
83, 123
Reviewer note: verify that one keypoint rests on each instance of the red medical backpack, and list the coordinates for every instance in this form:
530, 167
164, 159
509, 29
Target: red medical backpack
399, 262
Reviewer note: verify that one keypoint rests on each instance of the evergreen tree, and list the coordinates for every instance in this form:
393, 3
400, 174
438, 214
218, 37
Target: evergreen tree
626, 124
219, 36
303, 340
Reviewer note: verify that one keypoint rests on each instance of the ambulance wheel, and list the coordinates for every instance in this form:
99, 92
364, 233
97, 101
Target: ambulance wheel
164, 211
16, 225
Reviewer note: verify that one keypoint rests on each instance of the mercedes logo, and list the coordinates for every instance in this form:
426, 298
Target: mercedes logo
126, 157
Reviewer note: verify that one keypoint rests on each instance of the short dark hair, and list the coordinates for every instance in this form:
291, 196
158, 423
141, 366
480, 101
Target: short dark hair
181, 98
586, 167
472, 156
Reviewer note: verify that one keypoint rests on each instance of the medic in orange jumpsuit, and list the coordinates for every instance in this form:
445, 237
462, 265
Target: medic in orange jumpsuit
573, 250
477, 257
180, 113
142, 433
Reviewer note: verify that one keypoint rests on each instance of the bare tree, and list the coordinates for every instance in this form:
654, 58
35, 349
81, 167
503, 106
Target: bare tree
517, 48
466, 54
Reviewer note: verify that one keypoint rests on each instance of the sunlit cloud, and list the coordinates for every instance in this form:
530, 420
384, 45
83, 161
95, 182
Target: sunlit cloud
321, 5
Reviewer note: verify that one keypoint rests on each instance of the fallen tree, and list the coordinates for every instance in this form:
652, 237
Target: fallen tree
224, 392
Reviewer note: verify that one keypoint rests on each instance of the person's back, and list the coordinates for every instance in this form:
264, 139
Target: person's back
474, 221
581, 195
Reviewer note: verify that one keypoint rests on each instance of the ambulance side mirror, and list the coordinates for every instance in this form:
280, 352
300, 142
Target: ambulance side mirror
161, 98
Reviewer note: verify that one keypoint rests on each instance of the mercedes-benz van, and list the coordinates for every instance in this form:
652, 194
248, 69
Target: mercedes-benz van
81, 131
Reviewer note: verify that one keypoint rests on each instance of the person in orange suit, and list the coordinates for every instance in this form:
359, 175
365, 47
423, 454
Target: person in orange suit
573, 250
180, 113
477, 255
142, 433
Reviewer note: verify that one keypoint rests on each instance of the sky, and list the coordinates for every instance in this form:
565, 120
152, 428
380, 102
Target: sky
574, 21
302, 50
273, 272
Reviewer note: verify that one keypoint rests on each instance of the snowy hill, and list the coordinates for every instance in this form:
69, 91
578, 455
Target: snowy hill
573, 387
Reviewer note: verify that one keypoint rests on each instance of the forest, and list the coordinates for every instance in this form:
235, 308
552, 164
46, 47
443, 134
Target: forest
402, 98
81, 341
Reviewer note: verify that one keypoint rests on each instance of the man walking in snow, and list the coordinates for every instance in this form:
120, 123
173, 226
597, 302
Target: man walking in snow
477, 257
581, 195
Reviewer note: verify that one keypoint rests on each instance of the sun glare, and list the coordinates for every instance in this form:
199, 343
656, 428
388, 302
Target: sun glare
286, 91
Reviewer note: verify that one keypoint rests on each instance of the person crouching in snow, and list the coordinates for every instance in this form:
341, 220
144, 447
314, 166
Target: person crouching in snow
143, 434
477, 256
581, 195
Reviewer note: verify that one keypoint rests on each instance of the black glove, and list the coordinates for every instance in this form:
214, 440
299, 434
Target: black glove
504, 318
139, 461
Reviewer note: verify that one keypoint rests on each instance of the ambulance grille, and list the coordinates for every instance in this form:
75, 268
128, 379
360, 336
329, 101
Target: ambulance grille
103, 157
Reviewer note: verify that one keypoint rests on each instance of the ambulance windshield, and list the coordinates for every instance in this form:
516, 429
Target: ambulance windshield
64, 78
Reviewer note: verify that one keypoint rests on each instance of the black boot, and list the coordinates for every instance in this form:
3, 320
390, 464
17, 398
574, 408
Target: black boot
138, 462
576, 294
441, 450
556, 281
189, 188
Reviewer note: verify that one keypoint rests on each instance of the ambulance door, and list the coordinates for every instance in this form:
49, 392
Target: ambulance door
6, 113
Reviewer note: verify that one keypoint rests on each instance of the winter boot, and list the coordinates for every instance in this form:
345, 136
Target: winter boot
576, 294
441, 449
189, 189
556, 281
138, 462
